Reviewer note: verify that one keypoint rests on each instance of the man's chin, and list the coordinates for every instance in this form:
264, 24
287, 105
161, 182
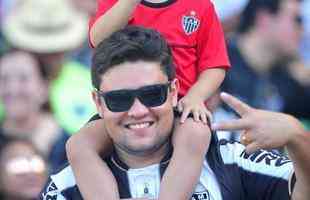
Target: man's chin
144, 149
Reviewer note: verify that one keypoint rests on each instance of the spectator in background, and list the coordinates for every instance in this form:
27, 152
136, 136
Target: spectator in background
229, 13
305, 45
293, 83
269, 32
50, 29
23, 171
24, 91
293, 80
3, 44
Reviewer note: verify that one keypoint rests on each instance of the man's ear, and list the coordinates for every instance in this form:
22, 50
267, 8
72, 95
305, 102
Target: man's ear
98, 102
174, 89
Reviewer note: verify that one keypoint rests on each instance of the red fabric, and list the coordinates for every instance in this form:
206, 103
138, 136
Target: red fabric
193, 53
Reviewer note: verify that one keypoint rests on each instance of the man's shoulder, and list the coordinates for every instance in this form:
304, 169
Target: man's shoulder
223, 149
233, 153
229, 150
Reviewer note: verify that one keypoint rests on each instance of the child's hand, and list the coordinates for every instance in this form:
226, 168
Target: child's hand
196, 106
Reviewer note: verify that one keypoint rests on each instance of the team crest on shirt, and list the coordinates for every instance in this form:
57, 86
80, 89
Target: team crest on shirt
201, 196
201, 193
190, 23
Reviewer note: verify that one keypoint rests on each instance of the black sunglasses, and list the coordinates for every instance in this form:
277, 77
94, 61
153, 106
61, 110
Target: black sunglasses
122, 100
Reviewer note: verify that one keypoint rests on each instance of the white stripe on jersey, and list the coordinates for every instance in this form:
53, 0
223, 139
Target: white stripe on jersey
64, 179
231, 154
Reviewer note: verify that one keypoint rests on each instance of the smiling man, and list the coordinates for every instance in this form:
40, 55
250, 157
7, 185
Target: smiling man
137, 130
135, 92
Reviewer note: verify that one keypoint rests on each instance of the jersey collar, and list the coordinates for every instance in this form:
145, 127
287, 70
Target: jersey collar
157, 5
123, 166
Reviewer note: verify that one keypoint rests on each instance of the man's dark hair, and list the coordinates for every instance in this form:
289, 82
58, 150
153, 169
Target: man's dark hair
249, 14
131, 44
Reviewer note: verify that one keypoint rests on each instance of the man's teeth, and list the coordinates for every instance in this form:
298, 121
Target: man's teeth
140, 125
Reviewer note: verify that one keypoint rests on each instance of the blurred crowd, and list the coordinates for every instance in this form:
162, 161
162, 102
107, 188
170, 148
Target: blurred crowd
45, 82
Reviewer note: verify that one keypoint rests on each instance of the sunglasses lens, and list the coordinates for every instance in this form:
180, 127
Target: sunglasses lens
154, 95
150, 96
119, 101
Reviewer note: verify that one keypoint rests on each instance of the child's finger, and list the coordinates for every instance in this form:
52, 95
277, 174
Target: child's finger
237, 105
185, 114
204, 117
196, 116
209, 115
231, 125
180, 107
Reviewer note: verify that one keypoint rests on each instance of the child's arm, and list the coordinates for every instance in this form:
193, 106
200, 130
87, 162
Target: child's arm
191, 138
193, 102
190, 141
92, 175
112, 20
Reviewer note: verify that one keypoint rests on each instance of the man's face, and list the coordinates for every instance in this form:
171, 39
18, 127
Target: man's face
287, 28
141, 130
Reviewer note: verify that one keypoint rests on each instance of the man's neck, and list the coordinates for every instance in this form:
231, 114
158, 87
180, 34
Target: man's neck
256, 52
143, 160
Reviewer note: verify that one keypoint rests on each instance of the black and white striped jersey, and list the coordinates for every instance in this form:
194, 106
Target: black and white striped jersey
228, 174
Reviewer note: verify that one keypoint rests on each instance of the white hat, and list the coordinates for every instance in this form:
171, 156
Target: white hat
45, 26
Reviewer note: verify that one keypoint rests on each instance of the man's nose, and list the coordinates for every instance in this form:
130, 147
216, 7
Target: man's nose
138, 109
